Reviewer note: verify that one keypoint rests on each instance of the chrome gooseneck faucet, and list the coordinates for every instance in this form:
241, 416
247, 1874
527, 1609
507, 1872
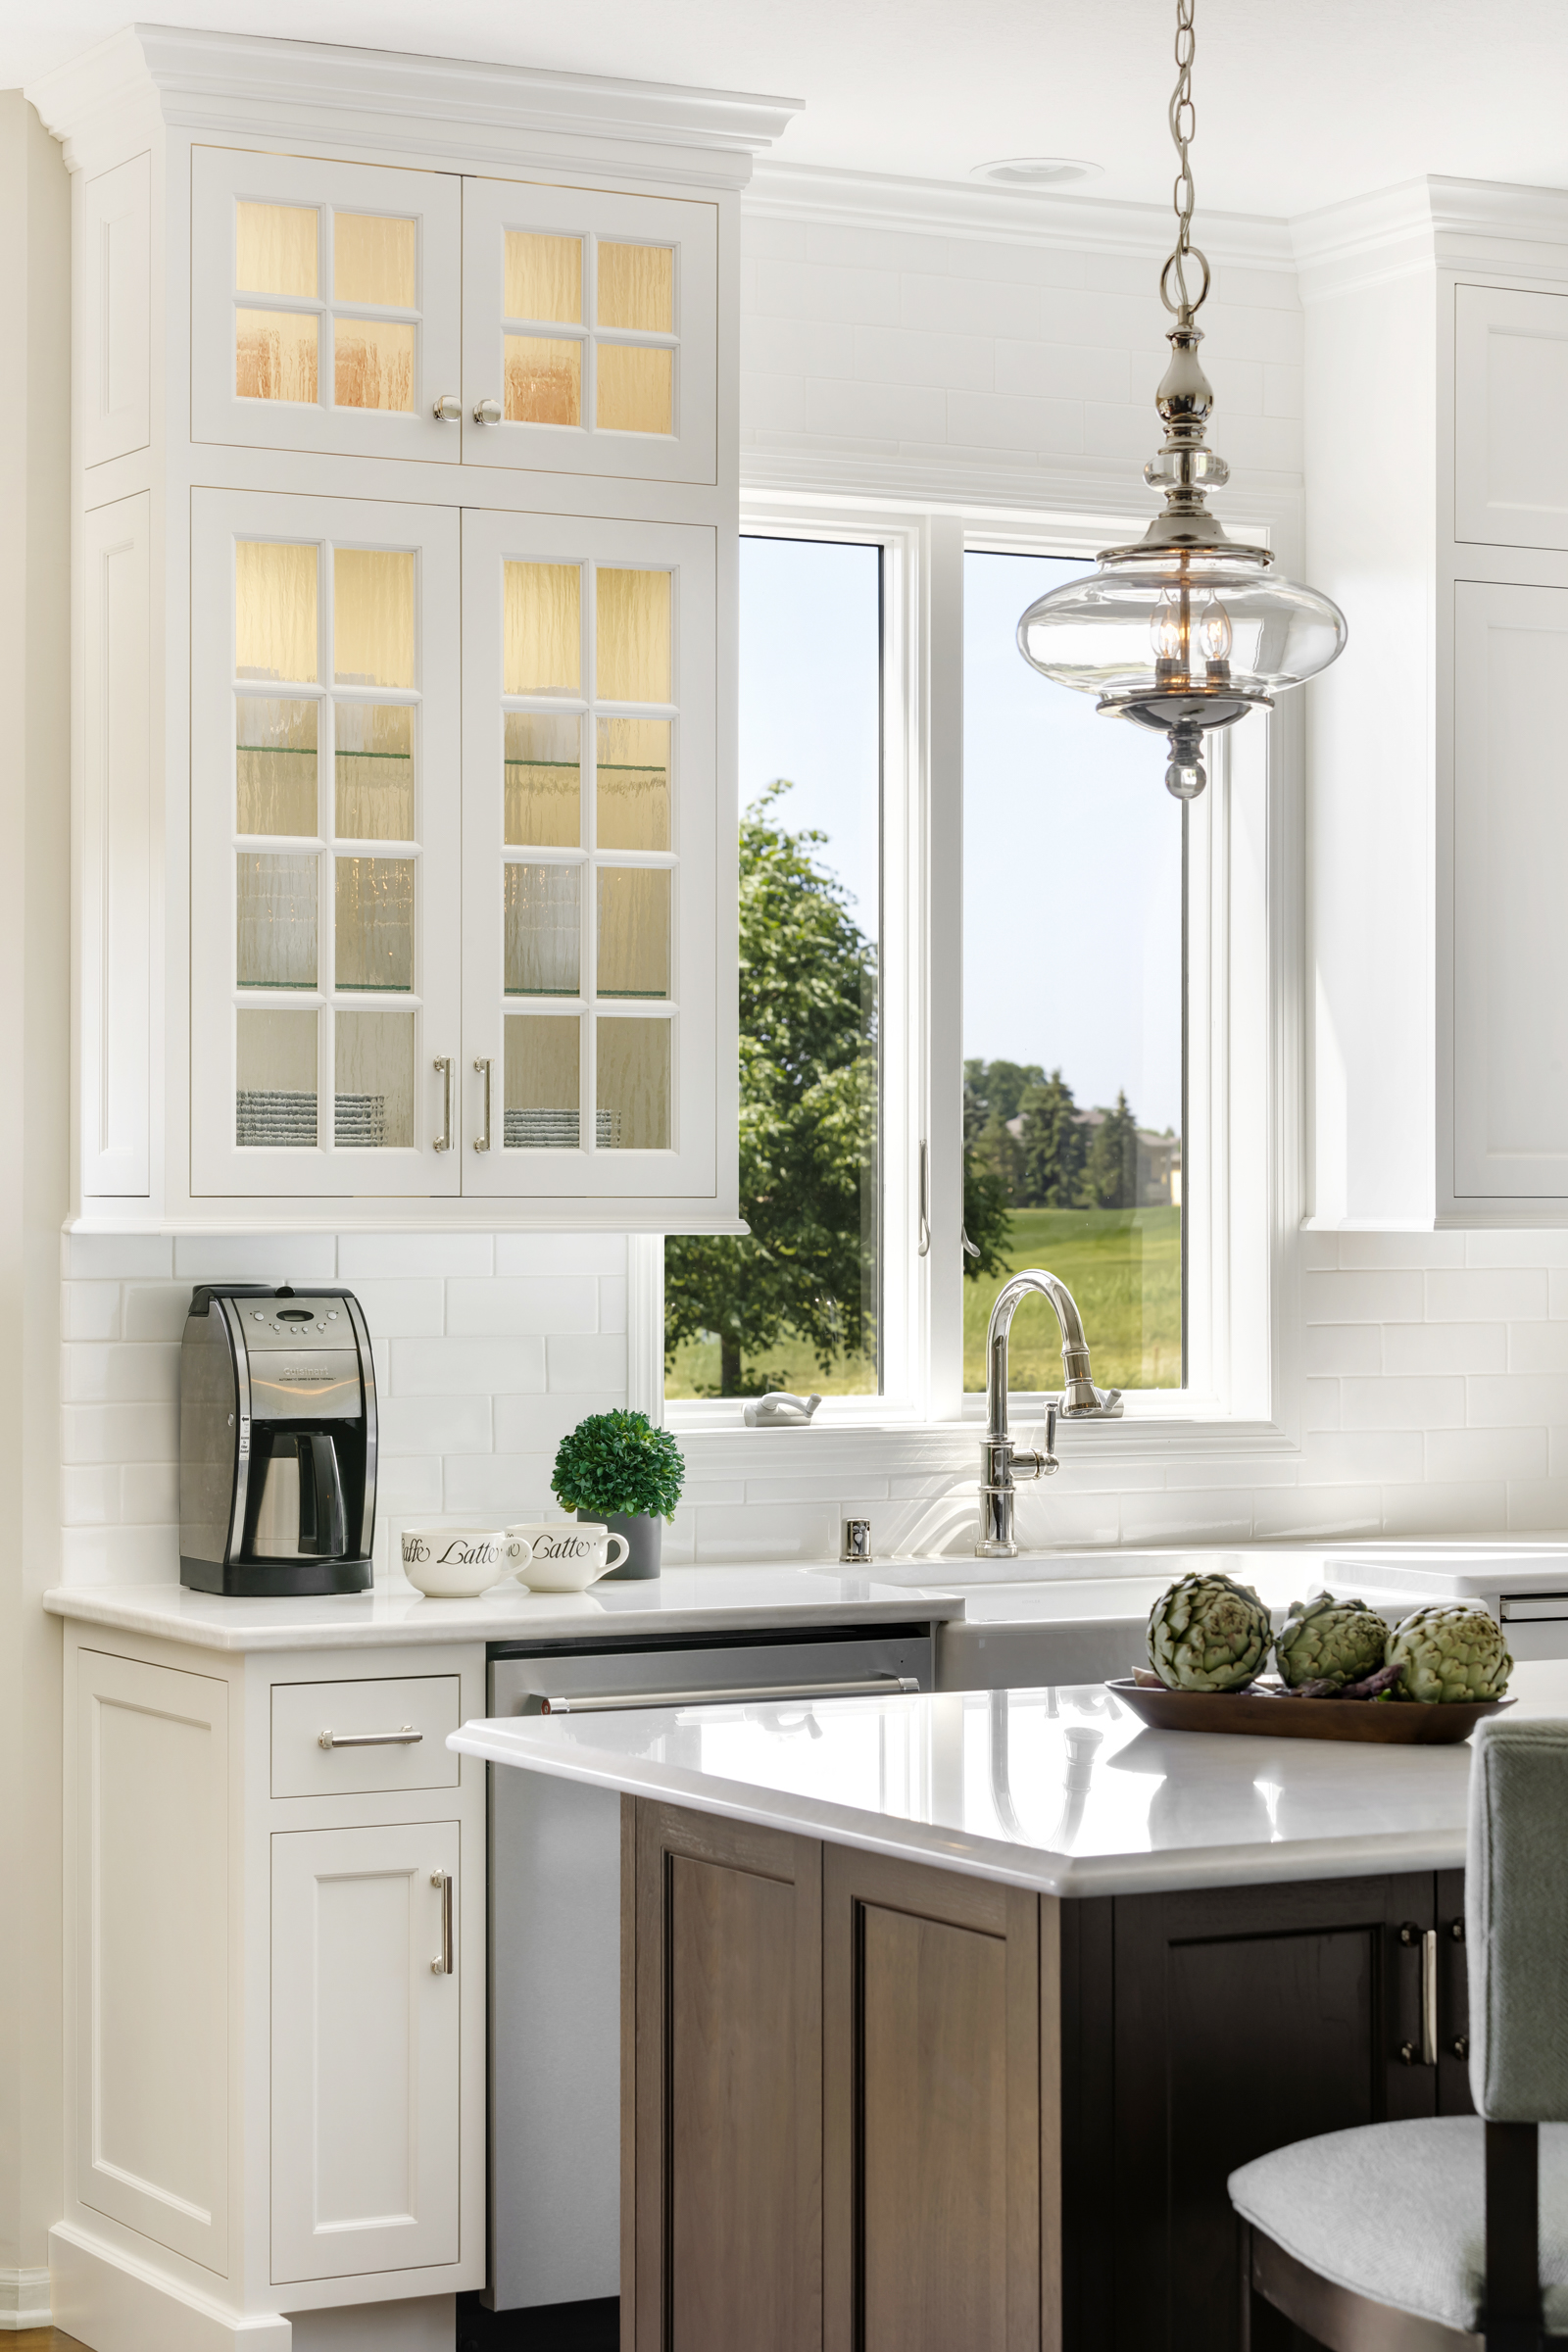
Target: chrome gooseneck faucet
1000, 1461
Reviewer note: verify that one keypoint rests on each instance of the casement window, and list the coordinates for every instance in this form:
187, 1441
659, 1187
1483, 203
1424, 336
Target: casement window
1046, 996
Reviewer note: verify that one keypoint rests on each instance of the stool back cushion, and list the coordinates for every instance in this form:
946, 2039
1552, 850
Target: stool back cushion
1516, 1921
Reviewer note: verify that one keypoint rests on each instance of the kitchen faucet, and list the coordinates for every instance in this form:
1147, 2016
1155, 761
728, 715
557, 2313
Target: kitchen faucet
1081, 1401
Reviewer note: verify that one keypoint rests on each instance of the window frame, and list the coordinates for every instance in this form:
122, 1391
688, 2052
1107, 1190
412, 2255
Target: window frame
1241, 1176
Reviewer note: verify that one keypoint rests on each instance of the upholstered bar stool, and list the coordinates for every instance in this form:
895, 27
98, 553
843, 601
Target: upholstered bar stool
1435, 2236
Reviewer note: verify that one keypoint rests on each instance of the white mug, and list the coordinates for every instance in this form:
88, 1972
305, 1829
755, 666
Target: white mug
459, 1563
562, 1555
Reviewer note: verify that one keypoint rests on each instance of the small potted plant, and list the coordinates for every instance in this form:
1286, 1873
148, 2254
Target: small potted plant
617, 1469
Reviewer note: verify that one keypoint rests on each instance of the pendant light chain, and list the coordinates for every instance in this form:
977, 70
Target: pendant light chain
1183, 126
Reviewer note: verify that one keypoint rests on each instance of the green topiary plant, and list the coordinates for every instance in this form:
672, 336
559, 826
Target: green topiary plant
619, 1462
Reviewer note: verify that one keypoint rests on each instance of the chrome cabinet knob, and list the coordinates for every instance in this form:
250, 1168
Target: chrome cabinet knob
447, 407
487, 412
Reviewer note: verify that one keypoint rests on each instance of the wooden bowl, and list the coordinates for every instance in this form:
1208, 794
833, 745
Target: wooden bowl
1390, 1723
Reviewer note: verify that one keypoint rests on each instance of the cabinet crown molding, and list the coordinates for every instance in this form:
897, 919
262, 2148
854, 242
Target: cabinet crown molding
248, 86
828, 197
1430, 223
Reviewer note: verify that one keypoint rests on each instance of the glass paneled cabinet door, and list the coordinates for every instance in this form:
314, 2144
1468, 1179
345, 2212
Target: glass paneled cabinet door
589, 857
326, 884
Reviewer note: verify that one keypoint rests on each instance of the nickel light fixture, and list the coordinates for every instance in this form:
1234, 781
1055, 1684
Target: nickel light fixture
1186, 630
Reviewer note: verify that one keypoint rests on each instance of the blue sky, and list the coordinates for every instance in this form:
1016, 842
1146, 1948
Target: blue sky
1072, 846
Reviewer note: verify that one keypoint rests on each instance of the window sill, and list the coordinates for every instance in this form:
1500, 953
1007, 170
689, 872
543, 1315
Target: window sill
886, 1447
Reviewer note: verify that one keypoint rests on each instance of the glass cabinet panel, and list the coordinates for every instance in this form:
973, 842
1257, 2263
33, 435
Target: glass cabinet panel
543, 629
275, 611
373, 1081
277, 356
374, 770
633, 783
374, 261
374, 923
543, 764
274, 1101
542, 278
274, 765
277, 926
373, 364
543, 380
544, 930
632, 1111
636, 389
637, 286
633, 636
541, 1088
372, 633
633, 931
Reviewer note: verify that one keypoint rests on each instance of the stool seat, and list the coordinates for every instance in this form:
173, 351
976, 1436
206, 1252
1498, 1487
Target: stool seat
1396, 2213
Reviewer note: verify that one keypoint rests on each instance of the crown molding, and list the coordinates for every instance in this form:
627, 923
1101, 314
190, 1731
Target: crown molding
830, 198
1432, 223
243, 85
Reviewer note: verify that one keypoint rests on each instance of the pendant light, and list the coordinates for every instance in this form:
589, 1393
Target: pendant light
1186, 629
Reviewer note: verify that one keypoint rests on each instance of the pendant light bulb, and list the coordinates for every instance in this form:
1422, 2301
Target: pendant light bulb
1186, 630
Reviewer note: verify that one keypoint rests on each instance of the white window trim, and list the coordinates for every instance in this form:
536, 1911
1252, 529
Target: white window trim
1243, 1149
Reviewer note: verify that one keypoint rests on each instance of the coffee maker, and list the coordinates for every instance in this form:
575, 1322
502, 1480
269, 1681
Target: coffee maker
276, 1441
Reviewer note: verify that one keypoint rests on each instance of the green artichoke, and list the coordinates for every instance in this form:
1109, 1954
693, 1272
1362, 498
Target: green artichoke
1207, 1633
1453, 1650
1324, 1640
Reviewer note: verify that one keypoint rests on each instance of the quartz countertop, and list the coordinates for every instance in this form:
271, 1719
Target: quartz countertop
683, 1600
1062, 1791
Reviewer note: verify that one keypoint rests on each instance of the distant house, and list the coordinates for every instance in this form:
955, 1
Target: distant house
1160, 1160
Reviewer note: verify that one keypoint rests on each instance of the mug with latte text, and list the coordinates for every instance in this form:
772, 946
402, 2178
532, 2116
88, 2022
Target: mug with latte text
563, 1555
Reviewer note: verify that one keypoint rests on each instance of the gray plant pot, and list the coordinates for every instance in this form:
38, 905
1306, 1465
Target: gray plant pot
644, 1532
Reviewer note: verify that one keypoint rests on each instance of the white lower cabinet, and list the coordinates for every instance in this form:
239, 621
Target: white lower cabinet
365, 2012
276, 1995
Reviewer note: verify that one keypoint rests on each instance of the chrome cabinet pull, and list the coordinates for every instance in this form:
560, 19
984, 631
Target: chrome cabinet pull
408, 1736
1429, 1997
441, 1966
487, 412
481, 1142
448, 408
443, 1142
605, 1703
923, 1245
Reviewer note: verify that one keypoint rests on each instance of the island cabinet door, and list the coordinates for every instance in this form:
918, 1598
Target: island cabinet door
932, 2171
1200, 2029
721, 2043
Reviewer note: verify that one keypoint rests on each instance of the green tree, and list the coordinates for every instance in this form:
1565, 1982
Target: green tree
1000, 1087
809, 1091
1111, 1170
1054, 1146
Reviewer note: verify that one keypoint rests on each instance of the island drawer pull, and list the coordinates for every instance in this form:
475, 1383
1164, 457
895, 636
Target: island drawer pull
441, 1966
1429, 1997
408, 1736
605, 1703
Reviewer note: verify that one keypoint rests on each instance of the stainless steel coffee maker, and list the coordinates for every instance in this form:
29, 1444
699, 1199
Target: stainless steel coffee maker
276, 1441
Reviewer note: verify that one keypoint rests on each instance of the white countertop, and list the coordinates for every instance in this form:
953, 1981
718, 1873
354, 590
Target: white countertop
683, 1600
1062, 1791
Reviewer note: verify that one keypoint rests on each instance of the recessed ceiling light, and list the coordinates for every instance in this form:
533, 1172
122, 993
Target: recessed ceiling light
1035, 170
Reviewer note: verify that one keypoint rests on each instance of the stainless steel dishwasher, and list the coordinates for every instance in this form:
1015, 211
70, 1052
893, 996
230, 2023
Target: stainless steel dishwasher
555, 1927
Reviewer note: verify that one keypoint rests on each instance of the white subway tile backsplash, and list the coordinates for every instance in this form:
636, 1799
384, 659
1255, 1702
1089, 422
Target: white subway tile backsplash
415, 1308
763, 239
1446, 1510
512, 1485
579, 1364
408, 1483
560, 1253
1058, 372
1387, 1403
775, 404
119, 1371
466, 1367
1537, 1507
1342, 1348
150, 1492
613, 1302
119, 1433
993, 420
537, 1424
435, 1424
1219, 1516
120, 1555
89, 1310
892, 355
1534, 1347
115, 1256
1346, 1456
1487, 1294
1485, 1454
1378, 1251
395, 1257
802, 290
295, 1257
971, 306
91, 1494
875, 413
1509, 1246
1316, 1513
1341, 1297
156, 1310
1512, 1399
1419, 1349
740, 1532
783, 346
522, 1306
1320, 1404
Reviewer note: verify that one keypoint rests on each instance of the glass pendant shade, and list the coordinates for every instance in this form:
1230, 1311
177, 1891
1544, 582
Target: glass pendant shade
1186, 630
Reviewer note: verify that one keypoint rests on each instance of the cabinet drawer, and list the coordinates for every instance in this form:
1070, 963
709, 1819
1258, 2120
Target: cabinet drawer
366, 1715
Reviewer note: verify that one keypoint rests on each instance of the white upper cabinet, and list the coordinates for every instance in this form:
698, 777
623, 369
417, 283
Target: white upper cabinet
589, 981
326, 911
1511, 399
407, 462
325, 304
589, 332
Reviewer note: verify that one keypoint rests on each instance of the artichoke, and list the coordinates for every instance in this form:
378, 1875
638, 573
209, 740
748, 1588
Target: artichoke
1324, 1640
1207, 1633
1453, 1650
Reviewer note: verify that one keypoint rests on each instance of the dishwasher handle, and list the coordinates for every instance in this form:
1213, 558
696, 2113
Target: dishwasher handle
608, 1702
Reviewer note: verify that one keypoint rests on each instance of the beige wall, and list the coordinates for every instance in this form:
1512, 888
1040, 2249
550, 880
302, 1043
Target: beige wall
34, 1060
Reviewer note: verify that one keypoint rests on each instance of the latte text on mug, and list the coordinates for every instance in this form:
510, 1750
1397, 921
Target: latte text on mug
560, 1547
479, 1555
414, 1547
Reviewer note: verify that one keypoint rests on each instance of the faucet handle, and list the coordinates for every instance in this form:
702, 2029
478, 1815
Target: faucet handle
1027, 1464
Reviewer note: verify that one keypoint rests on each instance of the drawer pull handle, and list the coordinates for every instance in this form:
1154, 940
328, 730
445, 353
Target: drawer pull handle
407, 1737
442, 1965
605, 1703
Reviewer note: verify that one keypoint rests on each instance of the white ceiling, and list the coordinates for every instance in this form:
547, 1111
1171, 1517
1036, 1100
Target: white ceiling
1297, 105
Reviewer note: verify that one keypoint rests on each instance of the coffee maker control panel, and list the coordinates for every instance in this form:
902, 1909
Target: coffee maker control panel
295, 1323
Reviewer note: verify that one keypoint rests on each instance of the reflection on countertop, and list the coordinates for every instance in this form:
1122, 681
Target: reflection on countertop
1059, 1790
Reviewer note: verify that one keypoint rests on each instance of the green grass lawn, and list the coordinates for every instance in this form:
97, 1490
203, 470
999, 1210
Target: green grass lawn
1122, 1266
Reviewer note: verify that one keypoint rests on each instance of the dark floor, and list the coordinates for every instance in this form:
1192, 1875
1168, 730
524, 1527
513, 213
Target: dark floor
46, 2339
